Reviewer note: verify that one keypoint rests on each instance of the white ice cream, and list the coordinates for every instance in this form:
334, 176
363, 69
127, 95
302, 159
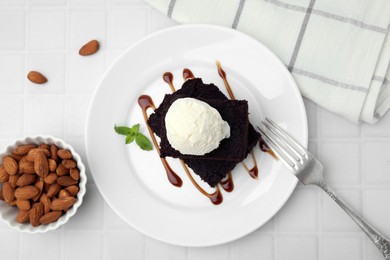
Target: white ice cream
194, 127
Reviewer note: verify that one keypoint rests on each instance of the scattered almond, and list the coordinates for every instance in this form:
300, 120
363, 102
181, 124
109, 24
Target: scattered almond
10, 165
26, 193
64, 154
36, 77
50, 217
36, 212
66, 181
89, 48
24, 149
63, 203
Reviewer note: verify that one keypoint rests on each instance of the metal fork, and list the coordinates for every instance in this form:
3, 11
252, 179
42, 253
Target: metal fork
310, 171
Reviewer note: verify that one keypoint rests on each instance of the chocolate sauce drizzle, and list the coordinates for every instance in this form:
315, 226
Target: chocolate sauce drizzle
254, 171
187, 74
168, 78
228, 184
146, 102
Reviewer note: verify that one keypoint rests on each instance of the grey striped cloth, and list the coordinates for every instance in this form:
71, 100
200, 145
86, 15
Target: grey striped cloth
338, 51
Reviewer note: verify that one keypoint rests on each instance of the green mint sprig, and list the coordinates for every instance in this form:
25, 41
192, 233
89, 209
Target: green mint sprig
132, 133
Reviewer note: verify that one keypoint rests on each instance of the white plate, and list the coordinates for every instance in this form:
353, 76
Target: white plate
134, 183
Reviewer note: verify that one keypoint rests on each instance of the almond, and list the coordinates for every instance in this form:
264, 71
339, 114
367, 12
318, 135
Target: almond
51, 178
36, 77
62, 170
63, 203
44, 146
26, 179
36, 212
23, 216
46, 203
31, 154
69, 164
66, 181
10, 165
41, 164
46, 187
89, 48
64, 154
12, 203
75, 174
23, 204
26, 193
63, 194
24, 149
26, 167
4, 176
52, 165
8, 192
39, 185
53, 190
73, 190
13, 179
1, 194
50, 217
16, 157
53, 152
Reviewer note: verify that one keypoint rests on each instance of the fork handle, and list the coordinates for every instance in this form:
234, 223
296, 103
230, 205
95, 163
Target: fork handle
380, 241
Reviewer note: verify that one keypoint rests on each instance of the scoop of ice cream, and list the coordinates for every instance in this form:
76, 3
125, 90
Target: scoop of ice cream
194, 127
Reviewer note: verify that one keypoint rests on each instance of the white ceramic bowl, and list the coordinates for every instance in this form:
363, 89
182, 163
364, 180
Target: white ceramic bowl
8, 213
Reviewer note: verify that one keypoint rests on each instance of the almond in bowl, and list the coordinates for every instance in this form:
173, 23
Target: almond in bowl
42, 183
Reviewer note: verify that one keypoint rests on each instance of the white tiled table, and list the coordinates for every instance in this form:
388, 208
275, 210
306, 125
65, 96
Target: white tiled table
45, 35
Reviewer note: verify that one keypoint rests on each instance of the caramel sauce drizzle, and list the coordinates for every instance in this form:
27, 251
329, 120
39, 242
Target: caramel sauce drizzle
146, 102
168, 78
253, 172
228, 184
187, 74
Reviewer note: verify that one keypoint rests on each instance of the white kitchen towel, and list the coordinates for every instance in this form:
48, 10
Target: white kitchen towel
338, 51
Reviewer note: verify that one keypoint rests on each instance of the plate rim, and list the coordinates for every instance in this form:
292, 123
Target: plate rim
206, 26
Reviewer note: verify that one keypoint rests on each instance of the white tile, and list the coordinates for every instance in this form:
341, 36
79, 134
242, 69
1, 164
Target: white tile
252, 245
113, 222
82, 245
45, 35
85, 72
31, 245
376, 162
209, 253
158, 250
341, 247
45, 116
113, 55
9, 245
313, 148
86, 26
90, 213
333, 217
160, 21
119, 245
11, 114
300, 212
126, 2
13, 75
12, 30
379, 129
341, 161
135, 28
336, 126
311, 111
47, 2
86, 2
371, 252
376, 208
52, 66
12, 2
296, 247
76, 115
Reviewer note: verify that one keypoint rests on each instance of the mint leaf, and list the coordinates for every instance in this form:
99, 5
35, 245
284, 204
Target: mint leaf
143, 142
135, 129
130, 138
123, 130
